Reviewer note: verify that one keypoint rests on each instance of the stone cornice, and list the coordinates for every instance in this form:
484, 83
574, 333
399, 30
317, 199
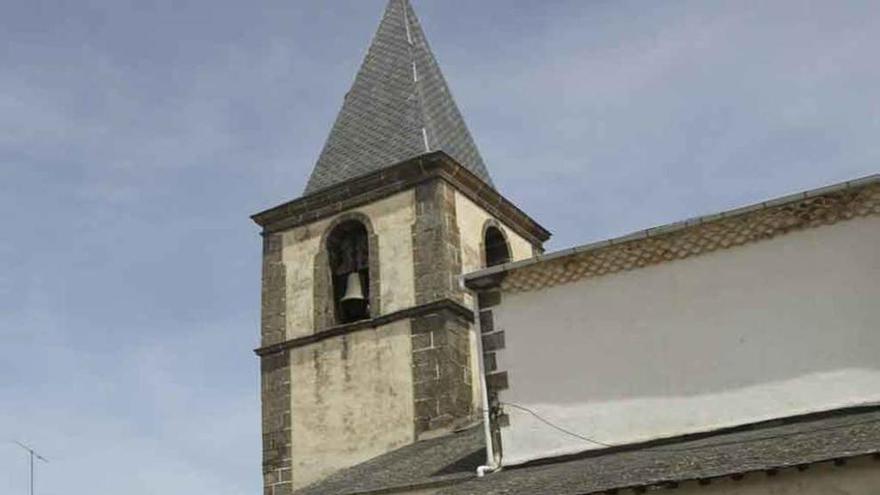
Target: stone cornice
682, 240
442, 305
405, 175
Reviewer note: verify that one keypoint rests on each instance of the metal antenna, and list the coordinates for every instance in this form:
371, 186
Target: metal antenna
31, 454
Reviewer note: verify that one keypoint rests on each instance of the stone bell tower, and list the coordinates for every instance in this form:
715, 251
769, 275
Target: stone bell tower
368, 340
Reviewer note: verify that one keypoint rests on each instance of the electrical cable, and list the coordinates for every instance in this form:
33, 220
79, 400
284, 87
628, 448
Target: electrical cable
685, 449
554, 426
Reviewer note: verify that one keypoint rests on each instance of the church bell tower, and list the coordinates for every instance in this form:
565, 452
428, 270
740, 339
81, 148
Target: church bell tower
368, 340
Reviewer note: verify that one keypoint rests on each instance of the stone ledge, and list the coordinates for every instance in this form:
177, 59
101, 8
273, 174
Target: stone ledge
372, 187
443, 304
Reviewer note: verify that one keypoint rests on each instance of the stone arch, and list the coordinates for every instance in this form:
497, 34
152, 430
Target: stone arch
324, 302
494, 244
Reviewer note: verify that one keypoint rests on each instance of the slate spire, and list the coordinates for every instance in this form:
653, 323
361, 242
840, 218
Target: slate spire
399, 107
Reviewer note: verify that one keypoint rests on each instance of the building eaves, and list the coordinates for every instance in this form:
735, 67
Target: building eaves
392, 180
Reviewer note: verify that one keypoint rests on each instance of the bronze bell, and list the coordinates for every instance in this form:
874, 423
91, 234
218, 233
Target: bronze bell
353, 289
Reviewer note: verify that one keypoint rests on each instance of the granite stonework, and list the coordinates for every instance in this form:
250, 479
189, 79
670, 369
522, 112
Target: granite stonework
436, 244
275, 373
277, 438
441, 358
395, 178
441, 343
273, 317
441, 372
496, 381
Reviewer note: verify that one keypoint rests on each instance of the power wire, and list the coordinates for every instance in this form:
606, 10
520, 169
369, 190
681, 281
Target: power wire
685, 449
554, 426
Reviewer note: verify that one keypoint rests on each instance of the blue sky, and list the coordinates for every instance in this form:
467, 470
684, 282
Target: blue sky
137, 136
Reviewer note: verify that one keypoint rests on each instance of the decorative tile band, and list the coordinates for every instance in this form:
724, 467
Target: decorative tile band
700, 237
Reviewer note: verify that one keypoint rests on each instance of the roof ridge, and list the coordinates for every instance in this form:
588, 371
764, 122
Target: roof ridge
418, 89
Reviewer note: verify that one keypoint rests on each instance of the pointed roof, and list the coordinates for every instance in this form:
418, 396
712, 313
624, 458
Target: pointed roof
399, 107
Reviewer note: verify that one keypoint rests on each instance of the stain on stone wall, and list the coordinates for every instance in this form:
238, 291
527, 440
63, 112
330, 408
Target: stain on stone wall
339, 402
392, 219
351, 401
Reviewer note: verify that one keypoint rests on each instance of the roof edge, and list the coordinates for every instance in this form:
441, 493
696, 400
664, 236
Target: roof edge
689, 437
399, 177
408, 488
493, 276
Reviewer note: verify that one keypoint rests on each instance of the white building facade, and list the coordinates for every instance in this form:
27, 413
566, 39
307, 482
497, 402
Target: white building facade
763, 313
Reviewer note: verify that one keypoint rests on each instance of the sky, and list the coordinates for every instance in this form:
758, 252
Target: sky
137, 136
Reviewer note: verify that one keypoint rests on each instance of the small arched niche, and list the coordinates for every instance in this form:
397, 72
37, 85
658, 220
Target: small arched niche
348, 252
495, 246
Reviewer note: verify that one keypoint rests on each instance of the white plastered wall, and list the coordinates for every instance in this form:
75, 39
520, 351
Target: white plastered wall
776, 328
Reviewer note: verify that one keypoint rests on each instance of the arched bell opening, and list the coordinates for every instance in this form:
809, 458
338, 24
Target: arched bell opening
497, 251
348, 249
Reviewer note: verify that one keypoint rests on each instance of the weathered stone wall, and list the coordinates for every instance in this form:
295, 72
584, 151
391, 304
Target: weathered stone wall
351, 400
322, 287
441, 342
293, 455
436, 243
277, 439
441, 372
275, 372
337, 396
391, 220
274, 291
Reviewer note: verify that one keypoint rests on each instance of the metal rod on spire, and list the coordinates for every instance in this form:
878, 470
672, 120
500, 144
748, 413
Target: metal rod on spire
31, 455
399, 90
